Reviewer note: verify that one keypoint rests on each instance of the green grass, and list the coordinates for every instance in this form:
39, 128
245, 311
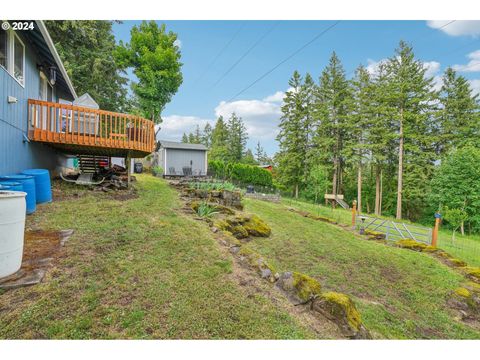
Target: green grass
138, 269
400, 293
465, 247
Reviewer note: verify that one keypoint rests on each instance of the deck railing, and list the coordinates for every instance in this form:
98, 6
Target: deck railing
69, 124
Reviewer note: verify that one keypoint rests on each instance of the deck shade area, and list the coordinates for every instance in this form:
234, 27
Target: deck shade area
84, 130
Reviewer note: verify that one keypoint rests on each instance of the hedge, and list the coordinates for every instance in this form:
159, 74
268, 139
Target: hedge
242, 173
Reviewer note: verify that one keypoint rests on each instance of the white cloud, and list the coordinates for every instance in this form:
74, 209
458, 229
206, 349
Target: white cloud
277, 97
475, 86
261, 117
373, 66
173, 126
432, 67
457, 28
473, 65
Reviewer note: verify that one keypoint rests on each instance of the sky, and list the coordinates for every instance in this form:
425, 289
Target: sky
222, 58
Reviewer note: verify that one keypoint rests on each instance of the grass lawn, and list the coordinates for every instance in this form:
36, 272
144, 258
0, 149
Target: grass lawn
465, 247
138, 268
400, 293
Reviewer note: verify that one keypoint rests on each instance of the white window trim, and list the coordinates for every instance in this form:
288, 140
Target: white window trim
11, 35
47, 83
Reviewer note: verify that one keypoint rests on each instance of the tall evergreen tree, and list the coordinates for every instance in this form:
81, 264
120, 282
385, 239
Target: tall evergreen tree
458, 114
197, 135
292, 154
331, 112
237, 138
412, 97
207, 135
184, 138
219, 150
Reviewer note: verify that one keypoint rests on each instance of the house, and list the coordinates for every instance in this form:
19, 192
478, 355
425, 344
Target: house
181, 159
267, 167
41, 116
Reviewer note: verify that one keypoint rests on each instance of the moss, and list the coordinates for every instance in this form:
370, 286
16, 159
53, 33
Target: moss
463, 292
255, 259
473, 273
257, 227
431, 249
342, 309
306, 286
411, 244
222, 225
375, 234
239, 232
457, 262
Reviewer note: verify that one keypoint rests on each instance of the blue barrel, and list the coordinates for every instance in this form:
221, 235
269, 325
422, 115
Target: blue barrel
28, 183
13, 185
43, 190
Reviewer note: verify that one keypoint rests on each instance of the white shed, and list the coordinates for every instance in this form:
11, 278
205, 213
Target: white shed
181, 159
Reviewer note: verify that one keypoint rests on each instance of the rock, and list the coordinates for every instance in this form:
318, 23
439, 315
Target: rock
257, 227
214, 229
266, 273
298, 286
234, 249
239, 232
340, 309
411, 244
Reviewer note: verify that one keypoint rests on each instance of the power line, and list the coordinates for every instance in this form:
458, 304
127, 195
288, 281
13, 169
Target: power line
220, 53
285, 60
246, 53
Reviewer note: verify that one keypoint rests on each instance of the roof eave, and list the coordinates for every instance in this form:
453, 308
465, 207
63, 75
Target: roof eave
53, 50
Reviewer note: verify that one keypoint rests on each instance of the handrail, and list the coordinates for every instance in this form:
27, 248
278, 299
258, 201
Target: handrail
77, 125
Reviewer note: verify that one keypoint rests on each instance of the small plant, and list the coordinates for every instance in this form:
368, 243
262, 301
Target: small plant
455, 218
157, 170
212, 186
206, 210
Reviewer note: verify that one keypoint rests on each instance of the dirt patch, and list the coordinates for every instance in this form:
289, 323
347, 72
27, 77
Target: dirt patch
65, 192
41, 249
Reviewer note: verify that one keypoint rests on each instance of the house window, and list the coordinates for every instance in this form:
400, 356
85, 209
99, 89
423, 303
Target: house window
12, 55
18, 59
3, 48
46, 89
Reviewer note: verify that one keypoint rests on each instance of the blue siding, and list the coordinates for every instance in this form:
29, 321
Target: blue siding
15, 153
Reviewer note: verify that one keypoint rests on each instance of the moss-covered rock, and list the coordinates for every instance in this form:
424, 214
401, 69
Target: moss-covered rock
375, 235
306, 286
411, 244
257, 227
473, 273
239, 232
457, 262
463, 292
256, 261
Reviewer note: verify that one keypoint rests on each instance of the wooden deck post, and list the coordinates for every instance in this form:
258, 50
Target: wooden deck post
128, 161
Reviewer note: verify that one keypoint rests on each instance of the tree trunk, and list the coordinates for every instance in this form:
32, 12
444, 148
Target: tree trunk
400, 168
378, 196
296, 191
334, 181
462, 228
359, 187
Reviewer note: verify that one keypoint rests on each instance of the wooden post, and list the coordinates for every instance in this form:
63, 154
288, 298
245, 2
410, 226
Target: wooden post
354, 211
438, 217
128, 161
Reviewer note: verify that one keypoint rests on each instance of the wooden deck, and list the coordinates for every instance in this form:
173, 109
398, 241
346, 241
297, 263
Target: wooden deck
81, 130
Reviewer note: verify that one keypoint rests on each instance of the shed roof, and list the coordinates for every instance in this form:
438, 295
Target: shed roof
179, 145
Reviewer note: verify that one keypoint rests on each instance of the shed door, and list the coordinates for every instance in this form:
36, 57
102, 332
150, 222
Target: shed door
180, 158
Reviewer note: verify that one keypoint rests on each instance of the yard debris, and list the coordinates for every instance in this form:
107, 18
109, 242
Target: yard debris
41, 248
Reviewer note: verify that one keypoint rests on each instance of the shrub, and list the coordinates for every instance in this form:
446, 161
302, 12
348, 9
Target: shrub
206, 210
157, 170
241, 173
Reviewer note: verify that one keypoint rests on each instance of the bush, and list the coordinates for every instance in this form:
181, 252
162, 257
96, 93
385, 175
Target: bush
241, 173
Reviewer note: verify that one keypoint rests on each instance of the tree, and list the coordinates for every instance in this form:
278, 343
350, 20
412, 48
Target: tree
237, 138
248, 158
412, 97
331, 111
197, 135
261, 155
87, 49
218, 150
207, 135
291, 137
191, 138
455, 184
455, 217
317, 182
184, 138
155, 59
458, 115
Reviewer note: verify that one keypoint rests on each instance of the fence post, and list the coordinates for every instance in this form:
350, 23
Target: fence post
438, 216
354, 210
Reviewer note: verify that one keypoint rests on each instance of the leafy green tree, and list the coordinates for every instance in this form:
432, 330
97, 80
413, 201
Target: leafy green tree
317, 183
412, 97
455, 217
191, 138
87, 49
459, 113
155, 59
184, 138
237, 138
260, 155
248, 158
197, 135
455, 184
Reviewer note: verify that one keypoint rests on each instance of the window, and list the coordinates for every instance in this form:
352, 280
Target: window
46, 89
3, 48
18, 59
12, 55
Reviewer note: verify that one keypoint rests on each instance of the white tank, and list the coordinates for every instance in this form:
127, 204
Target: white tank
12, 229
